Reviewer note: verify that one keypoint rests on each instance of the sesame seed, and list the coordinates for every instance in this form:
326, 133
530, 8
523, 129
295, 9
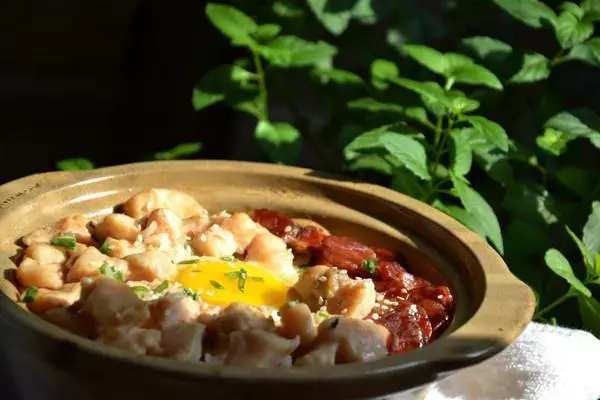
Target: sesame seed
384, 307
375, 316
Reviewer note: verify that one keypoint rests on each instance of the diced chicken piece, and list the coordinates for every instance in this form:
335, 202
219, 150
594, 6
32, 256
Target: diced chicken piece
163, 229
243, 229
183, 342
76, 225
46, 254
195, 225
215, 242
48, 299
145, 202
272, 252
303, 222
356, 299
121, 248
47, 276
90, 263
358, 340
133, 339
117, 226
113, 303
260, 349
174, 309
319, 283
323, 355
151, 265
236, 317
77, 251
297, 321
72, 321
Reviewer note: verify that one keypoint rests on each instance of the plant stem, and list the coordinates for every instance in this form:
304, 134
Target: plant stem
262, 86
554, 304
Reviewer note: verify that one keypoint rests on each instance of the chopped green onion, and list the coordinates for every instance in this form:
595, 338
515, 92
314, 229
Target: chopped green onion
190, 293
323, 314
140, 291
217, 285
232, 275
370, 265
30, 294
110, 271
105, 248
162, 287
241, 285
190, 261
256, 278
67, 240
228, 258
242, 276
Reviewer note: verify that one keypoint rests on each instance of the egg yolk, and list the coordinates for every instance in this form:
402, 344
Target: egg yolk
224, 282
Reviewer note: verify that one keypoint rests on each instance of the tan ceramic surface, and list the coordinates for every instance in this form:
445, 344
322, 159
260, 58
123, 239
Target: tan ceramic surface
493, 307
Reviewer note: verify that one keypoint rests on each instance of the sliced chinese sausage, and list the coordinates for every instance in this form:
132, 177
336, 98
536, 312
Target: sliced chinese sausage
48, 299
358, 340
409, 325
117, 226
394, 272
438, 316
345, 253
143, 203
441, 294
32, 273
277, 223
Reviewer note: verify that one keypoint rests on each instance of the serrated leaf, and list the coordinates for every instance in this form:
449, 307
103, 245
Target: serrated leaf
266, 32
417, 114
579, 123
480, 209
484, 46
462, 157
429, 91
589, 309
591, 230
588, 52
292, 51
383, 70
536, 67
531, 12
492, 131
406, 182
335, 21
408, 151
571, 28
179, 151
578, 180
373, 162
365, 141
460, 103
75, 164
427, 57
464, 70
468, 220
337, 76
232, 22
583, 250
554, 141
370, 104
280, 140
531, 202
561, 267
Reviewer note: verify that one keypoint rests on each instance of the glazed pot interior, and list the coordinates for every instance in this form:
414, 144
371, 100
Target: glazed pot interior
436, 248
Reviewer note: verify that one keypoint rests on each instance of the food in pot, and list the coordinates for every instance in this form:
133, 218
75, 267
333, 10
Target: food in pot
259, 289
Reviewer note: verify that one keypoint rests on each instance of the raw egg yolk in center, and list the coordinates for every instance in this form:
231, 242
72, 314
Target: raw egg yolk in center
223, 282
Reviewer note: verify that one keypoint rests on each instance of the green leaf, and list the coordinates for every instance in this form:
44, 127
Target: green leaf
493, 132
179, 151
231, 83
484, 46
408, 151
561, 267
292, 51
583, 250
287, 10
578, 180
406, 182
364, 141
339, 76
588, 52
571, 28
460, 103
531, 202
462, 157
372, 162
266, 32
335, 21
554, 141
428, 57
531, 12
429, 91
591, 230
467, 219
280, 140
384, 69
75, 164
370, 104
589, 309
480, 209
232, 22
201, 99
536, 67
462, 69
579, 123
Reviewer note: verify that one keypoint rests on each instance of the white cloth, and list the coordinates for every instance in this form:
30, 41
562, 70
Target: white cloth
545, 363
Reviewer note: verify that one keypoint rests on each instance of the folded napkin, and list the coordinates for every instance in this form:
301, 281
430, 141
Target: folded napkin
545, 363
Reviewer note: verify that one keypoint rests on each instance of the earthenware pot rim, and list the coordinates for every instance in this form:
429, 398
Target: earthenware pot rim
476, 340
